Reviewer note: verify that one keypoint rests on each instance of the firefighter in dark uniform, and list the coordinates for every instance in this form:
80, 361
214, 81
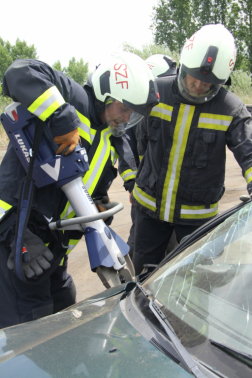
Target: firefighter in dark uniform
180, 179
119, 93
161, 65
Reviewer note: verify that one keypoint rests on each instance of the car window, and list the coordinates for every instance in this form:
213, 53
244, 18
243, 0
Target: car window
206, 291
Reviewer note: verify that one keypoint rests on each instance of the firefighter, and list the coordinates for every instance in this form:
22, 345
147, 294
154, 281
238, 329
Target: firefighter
161, 65
116, 96
180, 179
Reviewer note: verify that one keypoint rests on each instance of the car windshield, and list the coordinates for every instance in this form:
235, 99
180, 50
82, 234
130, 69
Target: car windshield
206, 292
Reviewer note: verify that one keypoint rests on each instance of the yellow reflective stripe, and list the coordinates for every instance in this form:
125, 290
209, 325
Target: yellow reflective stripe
96, 167
144, 199
114, 155
181, 133
140, 157
4, 206
162, 111
198, 212
248, 175
98, 162
214, 121
71, 244
128, 175
47, 103
85, 130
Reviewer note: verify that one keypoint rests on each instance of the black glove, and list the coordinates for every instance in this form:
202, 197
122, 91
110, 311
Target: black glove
36, 256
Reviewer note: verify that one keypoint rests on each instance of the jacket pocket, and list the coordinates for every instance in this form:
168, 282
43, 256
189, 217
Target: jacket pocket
203, 147
207, 196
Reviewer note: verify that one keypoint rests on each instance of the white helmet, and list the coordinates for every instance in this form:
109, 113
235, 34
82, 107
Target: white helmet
127, 79
162, 65
209, 56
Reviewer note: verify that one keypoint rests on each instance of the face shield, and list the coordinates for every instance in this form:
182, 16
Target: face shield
120, 117
194, 90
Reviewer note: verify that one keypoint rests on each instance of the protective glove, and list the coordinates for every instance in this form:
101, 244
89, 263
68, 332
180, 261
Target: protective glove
36, 256
101, 206
130, 198
67, 142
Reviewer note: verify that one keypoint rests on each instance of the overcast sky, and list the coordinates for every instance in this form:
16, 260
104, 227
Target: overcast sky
88, 29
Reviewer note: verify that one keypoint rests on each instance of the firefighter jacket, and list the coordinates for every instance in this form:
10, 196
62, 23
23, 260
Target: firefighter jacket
128, 169
181, 176
65, 105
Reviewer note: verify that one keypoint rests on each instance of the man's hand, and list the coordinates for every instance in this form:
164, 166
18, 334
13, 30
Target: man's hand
36, 256
130, 198
101, 206
67, 142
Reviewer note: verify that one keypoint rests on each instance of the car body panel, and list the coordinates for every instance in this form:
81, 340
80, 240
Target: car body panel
88, 340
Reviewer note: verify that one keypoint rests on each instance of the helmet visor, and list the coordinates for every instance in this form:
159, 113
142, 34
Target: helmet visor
120, 117
194, 90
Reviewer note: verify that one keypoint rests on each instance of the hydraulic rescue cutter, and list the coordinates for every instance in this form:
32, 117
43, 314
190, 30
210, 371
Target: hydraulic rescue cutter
108, 253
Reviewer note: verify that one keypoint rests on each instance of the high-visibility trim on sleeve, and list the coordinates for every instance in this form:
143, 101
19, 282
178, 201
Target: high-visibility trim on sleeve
214, 121
128, 175
47, 103
4, 206
162, 111
198, 212
144, 199
140, 157
248, 175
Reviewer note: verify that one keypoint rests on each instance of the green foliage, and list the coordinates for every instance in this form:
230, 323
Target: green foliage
4, 101
9, 53
241, 83
5, 61
173, 22
151, 49
78, 71
22, 51
57, 66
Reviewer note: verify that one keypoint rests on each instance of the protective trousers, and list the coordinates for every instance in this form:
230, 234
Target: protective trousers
152, 237
22, 302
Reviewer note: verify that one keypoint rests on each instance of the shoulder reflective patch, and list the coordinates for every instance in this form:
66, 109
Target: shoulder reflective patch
162, 111
52, 171
214, 121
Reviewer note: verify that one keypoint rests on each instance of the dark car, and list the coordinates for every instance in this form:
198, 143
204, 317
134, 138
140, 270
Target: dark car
191, 317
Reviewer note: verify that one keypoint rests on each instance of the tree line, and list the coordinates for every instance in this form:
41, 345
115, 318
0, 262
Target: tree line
175, 20
77, 70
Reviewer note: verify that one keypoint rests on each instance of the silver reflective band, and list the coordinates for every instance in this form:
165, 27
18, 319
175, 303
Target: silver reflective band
199, 211
54, 97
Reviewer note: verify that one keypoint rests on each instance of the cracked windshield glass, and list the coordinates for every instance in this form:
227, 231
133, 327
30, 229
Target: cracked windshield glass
205, 291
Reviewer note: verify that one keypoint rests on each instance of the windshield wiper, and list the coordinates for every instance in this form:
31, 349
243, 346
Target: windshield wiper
185, 356
241, 356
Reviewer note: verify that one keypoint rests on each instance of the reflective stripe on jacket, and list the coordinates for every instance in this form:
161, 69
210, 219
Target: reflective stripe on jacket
181, 175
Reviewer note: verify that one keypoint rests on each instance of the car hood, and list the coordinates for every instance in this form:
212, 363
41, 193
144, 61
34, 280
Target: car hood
91, 339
